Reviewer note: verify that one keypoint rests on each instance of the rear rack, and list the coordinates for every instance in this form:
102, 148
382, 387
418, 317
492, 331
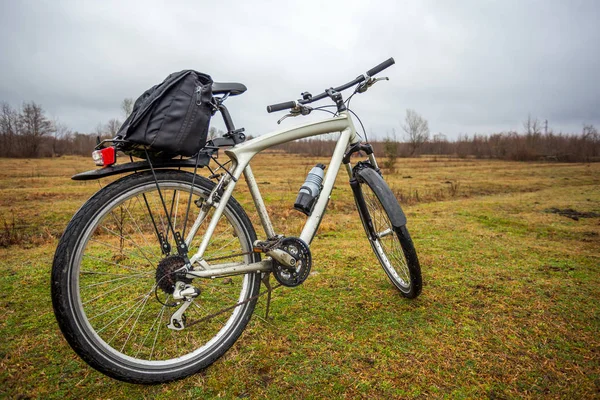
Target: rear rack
202, 159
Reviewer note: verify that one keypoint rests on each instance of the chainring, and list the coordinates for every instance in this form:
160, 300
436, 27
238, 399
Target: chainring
293, 276
166, 277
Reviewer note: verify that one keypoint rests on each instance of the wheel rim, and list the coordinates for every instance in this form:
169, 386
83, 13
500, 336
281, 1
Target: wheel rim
386, 245
113, 280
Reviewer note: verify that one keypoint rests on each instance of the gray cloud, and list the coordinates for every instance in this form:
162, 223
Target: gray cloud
466, 66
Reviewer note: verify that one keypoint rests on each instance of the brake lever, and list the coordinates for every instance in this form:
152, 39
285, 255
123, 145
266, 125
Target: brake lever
285, 116
300, 109
363, 87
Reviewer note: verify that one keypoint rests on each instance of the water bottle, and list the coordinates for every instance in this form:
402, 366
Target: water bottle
309, 192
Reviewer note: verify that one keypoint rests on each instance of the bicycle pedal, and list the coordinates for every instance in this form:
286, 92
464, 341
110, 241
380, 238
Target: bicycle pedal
264, 246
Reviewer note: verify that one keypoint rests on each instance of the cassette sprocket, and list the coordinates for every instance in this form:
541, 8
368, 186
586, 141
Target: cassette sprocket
168, 272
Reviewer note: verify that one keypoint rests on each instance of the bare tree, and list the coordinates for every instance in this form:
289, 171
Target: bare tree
100, 130
589, 131
439, 141
82, 144
35, 126
417, 130
112, 127
9, 129
532, 127
212, 133
390, 150
61, 135
127, 106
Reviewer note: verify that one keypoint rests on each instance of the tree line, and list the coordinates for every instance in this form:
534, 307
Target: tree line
536, 143
28, 132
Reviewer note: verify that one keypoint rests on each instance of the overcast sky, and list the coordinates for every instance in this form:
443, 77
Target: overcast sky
466, 66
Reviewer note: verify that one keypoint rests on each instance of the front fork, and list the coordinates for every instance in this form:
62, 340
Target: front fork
355, 185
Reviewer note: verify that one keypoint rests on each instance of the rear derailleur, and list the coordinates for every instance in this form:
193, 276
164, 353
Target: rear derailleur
171, 279
187, 293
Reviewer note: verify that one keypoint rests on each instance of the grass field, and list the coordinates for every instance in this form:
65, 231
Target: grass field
510, 306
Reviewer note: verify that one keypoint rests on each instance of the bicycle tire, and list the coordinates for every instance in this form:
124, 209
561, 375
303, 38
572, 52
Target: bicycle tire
383, 218
89, 259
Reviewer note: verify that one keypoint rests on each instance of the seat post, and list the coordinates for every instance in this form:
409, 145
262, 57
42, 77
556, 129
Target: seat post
226, 118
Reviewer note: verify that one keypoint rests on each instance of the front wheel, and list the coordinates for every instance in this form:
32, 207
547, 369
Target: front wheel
385, 226
112, 282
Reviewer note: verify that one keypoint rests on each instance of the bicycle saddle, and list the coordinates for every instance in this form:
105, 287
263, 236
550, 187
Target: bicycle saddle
228, 87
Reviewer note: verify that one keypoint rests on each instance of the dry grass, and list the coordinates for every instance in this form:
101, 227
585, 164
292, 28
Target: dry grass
509, 307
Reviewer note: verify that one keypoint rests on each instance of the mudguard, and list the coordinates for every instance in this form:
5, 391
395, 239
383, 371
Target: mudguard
383, 192
116, 169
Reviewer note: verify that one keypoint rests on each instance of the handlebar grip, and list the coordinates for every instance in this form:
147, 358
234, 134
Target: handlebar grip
387, 63
281, 106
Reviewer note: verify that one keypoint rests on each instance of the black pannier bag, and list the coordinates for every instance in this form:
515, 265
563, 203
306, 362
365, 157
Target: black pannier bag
171, 118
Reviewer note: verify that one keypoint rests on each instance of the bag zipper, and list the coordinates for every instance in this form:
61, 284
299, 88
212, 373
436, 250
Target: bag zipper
198, 95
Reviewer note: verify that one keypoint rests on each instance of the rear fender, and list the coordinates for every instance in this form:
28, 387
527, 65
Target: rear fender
117, 169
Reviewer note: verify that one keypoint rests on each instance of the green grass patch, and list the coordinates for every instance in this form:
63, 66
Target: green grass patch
509, 307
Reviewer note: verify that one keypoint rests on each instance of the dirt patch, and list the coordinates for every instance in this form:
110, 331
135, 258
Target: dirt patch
573, 214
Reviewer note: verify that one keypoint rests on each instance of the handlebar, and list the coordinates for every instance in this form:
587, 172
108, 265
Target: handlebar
375, 70
281, 106
387, 63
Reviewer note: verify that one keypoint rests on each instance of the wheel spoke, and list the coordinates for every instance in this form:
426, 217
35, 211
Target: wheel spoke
141, 234
127, 238
115, 280
115, 307
136, 321
105, 293
120, 315
387, 244
129, 268
100, 243
157, 332
141, 305
201, 315
116, 286
385, 233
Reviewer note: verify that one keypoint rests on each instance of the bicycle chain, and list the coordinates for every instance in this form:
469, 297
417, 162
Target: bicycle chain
265, 281
241, 303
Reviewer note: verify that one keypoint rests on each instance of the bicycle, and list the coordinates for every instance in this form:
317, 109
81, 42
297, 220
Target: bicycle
158, 273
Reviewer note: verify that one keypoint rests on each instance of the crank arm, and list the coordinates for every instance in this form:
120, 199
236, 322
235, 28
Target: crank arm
283, 257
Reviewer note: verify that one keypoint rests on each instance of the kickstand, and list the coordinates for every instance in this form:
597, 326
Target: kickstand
266, 281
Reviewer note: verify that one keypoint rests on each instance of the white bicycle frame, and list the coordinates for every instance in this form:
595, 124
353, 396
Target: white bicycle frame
241, 155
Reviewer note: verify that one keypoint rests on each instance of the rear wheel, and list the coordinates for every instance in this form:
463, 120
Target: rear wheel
391, 243
111, 281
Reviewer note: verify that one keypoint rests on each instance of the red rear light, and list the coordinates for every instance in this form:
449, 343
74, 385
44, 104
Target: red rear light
105, 157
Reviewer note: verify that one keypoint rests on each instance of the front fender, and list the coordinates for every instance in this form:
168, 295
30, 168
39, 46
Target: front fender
383, 193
